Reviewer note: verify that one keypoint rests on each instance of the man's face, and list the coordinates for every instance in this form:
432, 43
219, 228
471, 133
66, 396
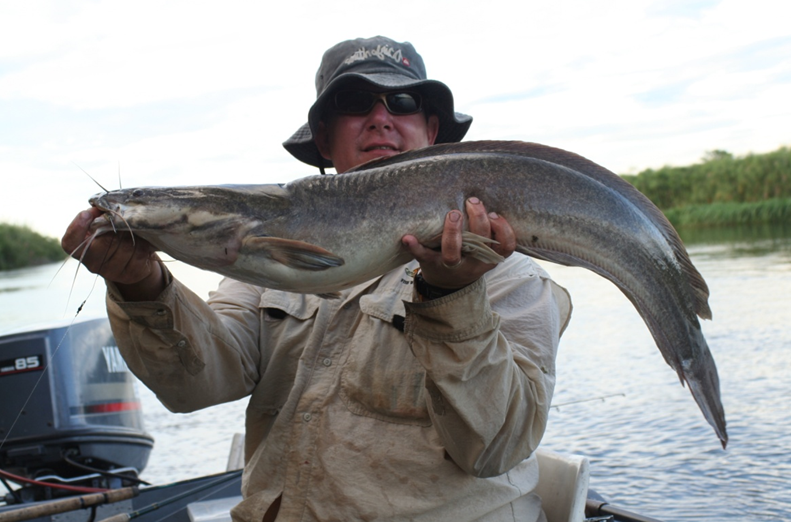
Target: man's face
349, 140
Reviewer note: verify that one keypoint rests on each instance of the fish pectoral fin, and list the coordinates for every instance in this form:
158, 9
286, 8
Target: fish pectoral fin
294, 254
476, 246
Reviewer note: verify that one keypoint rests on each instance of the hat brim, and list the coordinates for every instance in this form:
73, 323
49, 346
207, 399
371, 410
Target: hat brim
452, 125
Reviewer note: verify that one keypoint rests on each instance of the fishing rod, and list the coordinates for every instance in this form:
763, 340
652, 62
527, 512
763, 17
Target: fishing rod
111, 496
69, 504
595, 506
124, 517
599, 398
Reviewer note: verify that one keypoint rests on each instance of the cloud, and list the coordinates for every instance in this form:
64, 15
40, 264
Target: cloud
694, 9
185, 93
506, 97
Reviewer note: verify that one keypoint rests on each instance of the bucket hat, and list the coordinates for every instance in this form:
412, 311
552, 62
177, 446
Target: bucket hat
384, 65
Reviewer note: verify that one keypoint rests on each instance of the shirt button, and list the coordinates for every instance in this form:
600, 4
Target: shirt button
327, 361
161, 312
306, 417
182, 343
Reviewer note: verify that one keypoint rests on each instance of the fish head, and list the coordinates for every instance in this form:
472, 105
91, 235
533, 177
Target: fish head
139, 209
182, 209
203, 226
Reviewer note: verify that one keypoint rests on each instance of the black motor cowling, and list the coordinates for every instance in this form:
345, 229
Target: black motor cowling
66, 397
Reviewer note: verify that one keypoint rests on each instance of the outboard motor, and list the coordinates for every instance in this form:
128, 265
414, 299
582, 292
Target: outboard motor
69, 413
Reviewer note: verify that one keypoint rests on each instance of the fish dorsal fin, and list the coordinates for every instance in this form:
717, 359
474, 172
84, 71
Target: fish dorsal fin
583, 166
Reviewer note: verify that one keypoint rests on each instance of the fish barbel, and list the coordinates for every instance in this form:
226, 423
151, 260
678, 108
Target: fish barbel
322, 234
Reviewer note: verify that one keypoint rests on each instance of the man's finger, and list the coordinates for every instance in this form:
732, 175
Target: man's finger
503, 234
479, 220
451, 238
76, 231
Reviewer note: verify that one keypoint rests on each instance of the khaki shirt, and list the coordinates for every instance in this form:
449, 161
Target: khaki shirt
349, 417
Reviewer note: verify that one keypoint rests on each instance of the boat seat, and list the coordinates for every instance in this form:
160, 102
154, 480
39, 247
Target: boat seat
236, 455
562, 485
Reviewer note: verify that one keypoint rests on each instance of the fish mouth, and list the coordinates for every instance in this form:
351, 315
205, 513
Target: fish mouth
103, 205
111, 214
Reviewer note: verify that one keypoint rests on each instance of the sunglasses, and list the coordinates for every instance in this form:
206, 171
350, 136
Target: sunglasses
361, 102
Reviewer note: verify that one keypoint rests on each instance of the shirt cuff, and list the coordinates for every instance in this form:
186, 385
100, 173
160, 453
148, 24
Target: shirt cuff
157, 314
459, 316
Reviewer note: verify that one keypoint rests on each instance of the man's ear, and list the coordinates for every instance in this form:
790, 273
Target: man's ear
433, 128
322, 141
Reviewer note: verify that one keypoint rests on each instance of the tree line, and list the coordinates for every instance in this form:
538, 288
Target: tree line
722, 189
21, 247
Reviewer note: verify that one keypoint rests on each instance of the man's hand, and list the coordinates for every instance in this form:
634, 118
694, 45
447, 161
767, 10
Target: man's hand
132, 265
448, 268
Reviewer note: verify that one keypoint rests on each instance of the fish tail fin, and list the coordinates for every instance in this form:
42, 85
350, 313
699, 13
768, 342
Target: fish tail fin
704, 384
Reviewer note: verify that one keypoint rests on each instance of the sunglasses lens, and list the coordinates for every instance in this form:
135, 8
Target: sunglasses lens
360, 102
403, 102
354, 102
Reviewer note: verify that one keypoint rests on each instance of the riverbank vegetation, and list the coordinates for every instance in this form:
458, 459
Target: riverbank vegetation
722, 189
20, 247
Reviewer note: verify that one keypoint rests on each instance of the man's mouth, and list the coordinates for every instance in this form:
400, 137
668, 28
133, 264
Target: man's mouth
380, 147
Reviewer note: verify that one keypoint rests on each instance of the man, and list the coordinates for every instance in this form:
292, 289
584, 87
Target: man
397, 401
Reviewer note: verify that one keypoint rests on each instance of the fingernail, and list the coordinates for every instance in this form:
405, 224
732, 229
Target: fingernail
474, 200
454, 216
493, 215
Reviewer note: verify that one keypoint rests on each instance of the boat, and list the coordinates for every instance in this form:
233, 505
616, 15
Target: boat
72, 441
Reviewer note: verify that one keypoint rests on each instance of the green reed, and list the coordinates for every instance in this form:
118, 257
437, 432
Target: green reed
722, 189
20, 247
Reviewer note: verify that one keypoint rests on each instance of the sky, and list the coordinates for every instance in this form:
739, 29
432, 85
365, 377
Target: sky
198, 93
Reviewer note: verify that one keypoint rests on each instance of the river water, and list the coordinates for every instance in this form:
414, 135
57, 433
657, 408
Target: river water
649, 447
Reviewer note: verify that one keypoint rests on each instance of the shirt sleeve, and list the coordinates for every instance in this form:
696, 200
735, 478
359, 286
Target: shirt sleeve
190, 352
489, 355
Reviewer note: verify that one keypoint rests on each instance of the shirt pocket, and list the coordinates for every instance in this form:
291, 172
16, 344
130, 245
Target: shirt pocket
381, 378
286, 324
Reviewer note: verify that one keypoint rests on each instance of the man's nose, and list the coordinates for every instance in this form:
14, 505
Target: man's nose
379, 114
